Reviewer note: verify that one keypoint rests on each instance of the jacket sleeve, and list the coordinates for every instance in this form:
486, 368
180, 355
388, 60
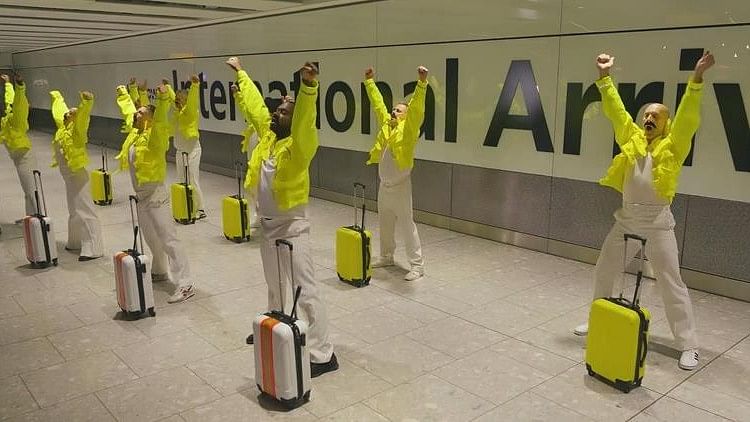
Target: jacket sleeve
133, 92
192, 106
415, 113
20, 119
304, 133
615, 111
255, 111
162, 127
686, 120
9, 95
127, 108
376, 101
82, 119
59, 108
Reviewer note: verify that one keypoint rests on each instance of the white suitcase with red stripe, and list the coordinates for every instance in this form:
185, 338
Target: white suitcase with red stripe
282, 360
135, 293
38, 232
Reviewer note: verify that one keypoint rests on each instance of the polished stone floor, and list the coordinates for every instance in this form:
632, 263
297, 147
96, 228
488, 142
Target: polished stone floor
485, 336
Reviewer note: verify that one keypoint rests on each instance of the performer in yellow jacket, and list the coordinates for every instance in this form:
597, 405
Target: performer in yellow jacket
13, 127
144, 153
279, 169
646, 172
185, 118
69, 153
393, 152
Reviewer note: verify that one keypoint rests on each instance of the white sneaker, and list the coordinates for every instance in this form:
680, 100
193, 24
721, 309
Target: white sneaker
581, 330
182, 294
383, 262
413, 275
688, 360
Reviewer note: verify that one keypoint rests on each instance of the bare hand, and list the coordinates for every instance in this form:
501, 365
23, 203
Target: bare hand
369, 73
234, 88
5, 77
195, 79
604, 63
19, 78
162, 89
704, 63
165, 81
309, 72
422, 71
234, 63
132, 81
143, 85
87, 95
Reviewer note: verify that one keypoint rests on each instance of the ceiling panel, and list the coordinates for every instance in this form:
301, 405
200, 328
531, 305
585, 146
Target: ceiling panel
28, 24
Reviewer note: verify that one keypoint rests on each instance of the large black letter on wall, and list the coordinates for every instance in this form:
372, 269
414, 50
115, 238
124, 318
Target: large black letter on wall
335, 88
576, 103
520, 74
734, 118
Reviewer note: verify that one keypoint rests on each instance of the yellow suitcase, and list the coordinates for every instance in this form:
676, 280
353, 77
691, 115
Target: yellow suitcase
353, 254
235, 221
101, 183
617, 340
184, 210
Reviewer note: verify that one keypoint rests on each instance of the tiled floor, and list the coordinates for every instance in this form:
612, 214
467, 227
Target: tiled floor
485, 336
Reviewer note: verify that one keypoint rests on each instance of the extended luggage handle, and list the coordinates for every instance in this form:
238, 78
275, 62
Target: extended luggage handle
639, 275
136, 234
359, 187
297, 292
185, 158
39, 187
238, 175
104, 158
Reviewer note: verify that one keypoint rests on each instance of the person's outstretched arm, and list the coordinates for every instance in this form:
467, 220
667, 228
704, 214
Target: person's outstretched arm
127, 108
415, 110
688, 116
59, 108
612, 105
304, 131
255, 110
20, 120
9, 92
82, 118
376, 98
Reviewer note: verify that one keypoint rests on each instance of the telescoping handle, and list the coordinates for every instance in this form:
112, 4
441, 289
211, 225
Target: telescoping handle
639, 275
359, 188
289, 245
185, 162
238, 175
136, 221
104, 157
38, 186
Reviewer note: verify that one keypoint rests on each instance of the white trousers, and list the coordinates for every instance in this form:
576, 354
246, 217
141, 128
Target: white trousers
160, 234
395, 213
194, 161
656, 224
252, 195
310, 307
84, 228
25, 164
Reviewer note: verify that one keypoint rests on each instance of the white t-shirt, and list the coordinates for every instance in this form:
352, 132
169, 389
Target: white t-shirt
638, 187
390, 174
267, 205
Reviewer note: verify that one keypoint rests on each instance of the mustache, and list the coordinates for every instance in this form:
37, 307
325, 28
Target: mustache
649, 124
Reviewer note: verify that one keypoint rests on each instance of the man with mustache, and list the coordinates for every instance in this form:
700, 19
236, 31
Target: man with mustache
646, 172
144, 153
279, 169
393, 152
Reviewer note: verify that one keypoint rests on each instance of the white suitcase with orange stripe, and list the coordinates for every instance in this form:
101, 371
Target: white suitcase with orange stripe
282, 361
135, 293
38, 232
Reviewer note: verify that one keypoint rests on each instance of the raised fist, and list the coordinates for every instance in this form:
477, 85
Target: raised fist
369, 73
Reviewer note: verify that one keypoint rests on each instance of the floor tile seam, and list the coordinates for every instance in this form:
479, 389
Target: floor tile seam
490, 402
39, 336
574, 363
688, 404
214, 345
99, 399
221, 396
33, 397
541, 346
363, 403
566, 408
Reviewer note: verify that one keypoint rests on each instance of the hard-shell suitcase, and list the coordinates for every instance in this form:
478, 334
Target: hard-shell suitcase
282, 360
184, 210
618, 336
38, 231
135, 293
234, 213
353, 247
101, 183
